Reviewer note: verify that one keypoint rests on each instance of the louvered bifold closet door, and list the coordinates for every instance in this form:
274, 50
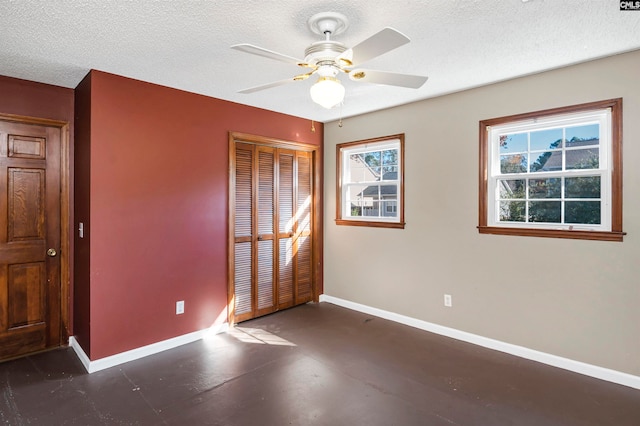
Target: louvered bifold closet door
304, 226
266, 238
243, 229
286, 223
271, 222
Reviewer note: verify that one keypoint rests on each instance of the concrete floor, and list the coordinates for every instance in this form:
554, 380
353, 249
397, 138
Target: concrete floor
316, 364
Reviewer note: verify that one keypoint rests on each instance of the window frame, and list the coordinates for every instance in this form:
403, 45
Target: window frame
611, 231
377, 222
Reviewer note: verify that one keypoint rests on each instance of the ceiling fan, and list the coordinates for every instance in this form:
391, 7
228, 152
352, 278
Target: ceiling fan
329, 58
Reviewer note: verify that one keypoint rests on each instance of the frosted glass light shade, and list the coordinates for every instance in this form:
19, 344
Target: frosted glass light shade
327, 92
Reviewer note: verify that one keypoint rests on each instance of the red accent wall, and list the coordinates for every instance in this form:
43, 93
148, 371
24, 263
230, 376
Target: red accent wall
31, 99
157, 177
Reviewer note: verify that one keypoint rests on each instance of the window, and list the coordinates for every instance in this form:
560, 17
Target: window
370, 190
554, 173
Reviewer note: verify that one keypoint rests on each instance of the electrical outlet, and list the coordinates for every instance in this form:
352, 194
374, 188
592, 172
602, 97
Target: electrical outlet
180, 307
447, 300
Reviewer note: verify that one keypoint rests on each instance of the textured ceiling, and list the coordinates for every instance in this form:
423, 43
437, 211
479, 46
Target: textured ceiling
185, 44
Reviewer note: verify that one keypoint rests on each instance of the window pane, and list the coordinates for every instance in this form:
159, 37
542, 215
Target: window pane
371, 208
359, 174
390, 208
513, 143
390, 173
356, 192
513, 163
545, 188
356, 161
545, 211
370, 192
511, 188
546, 161
372, 159
583, 159
389, 191
390, 157
587, 212
375, 173
582, 187
545, 139
583, 135
356, 199
512, 211
356, 208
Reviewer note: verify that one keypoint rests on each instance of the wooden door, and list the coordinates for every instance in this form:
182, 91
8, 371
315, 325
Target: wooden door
271, 225
30, 212
295, 220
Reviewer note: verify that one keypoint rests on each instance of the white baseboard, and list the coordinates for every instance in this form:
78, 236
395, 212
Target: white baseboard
542, 357
133, 354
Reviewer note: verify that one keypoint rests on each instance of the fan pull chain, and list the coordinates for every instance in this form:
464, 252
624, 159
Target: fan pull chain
340, 121
313, 128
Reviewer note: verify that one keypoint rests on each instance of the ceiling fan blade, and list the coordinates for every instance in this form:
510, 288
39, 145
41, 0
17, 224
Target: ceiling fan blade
255, 50
267, 86
388, 78
376, 45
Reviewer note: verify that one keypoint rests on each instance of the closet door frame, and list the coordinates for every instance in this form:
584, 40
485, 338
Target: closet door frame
317, 245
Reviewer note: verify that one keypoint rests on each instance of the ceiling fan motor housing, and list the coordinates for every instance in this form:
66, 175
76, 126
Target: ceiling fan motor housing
323, 51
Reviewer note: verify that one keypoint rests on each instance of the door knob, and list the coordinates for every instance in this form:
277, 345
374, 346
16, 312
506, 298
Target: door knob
52, 252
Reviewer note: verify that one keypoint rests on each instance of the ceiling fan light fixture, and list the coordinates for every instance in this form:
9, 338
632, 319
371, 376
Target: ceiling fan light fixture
328, 58
327, 92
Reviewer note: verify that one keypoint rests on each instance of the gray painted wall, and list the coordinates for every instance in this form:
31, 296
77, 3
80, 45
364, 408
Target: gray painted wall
575, 299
